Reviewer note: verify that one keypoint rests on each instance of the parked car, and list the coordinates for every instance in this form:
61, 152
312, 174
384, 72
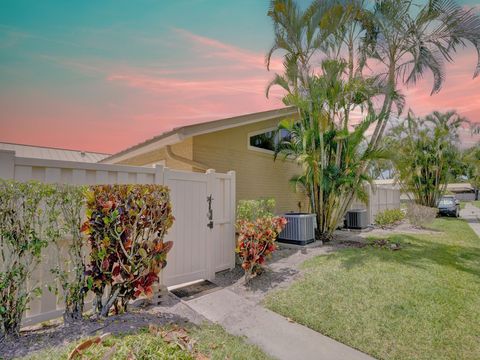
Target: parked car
449, 206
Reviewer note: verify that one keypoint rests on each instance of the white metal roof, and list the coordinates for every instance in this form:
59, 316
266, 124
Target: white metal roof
41, 152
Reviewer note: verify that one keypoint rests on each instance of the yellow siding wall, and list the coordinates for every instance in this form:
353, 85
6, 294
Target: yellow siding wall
256, 173
184, 149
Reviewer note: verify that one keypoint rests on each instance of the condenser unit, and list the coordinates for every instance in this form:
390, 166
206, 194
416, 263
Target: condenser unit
356, 219
299, 230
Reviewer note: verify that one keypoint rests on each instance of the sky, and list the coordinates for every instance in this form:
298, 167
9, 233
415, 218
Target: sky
105, 75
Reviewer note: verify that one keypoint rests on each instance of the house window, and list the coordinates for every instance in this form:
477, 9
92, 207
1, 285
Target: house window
267, 140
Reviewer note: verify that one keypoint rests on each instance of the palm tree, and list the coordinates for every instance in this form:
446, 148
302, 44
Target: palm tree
404, 38
328, 150
426, 155
408, 43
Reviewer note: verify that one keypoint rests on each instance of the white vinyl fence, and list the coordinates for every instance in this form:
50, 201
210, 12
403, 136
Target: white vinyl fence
201, 247
380, 198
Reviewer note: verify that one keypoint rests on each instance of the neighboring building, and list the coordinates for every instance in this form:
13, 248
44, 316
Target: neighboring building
49, 153
462, 191
243, 144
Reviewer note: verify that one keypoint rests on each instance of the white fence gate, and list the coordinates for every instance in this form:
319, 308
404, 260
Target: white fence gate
200, 248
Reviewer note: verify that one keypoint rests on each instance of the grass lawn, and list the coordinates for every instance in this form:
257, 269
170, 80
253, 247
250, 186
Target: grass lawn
420, 302
209, 340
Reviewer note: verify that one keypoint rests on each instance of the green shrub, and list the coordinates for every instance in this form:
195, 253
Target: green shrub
69, 268
258, 229
421, 216
256, 241
27, 226
126, 225
389, 217
251, 210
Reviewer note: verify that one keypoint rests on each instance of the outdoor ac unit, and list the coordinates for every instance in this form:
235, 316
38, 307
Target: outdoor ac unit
300, 229
356, 219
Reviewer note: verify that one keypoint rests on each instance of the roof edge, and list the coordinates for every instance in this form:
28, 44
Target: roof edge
55, 148
180, 133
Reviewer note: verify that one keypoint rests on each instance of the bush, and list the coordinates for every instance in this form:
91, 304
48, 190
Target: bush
126, 225
421, 216
258, 229
27, 225
251, 210
389, 217
70, 266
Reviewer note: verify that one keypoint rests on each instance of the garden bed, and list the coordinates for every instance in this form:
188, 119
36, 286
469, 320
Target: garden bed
130, 331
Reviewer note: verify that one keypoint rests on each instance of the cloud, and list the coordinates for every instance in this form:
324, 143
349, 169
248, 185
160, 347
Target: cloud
211, 48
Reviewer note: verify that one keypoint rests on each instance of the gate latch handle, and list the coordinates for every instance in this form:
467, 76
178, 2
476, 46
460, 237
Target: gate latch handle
210, 211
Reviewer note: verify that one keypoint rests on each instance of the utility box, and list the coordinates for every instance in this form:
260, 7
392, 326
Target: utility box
356, 219
299, 230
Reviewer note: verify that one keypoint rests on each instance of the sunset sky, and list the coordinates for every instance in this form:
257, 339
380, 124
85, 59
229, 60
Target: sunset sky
105, 75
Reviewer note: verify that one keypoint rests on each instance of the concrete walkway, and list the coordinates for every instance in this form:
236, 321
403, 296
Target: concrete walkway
273, 333
472, 214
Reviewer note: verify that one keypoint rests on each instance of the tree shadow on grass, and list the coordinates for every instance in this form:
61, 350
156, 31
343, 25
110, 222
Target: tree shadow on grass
267, 280
270, 279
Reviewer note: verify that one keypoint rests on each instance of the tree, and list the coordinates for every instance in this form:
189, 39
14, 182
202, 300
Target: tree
403, 41
471, 166
426, 155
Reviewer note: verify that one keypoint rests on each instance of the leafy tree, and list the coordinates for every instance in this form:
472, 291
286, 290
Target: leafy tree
471, 165
426, 155
401, 40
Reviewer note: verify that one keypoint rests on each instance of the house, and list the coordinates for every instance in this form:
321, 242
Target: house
51, 153
242, 143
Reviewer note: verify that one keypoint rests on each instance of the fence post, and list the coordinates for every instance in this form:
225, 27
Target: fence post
159, 178
233, 218
211, 232
7, 164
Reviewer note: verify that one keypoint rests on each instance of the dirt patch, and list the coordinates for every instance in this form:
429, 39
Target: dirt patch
282, 269
170, 311
403, 228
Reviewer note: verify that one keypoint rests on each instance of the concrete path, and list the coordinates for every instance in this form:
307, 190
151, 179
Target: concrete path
472, 214
273, 333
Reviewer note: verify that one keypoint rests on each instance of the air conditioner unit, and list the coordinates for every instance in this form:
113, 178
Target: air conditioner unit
356, 219
299, 230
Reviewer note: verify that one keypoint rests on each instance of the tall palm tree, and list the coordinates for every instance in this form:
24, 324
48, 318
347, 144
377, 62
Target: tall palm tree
407, 40
328, 151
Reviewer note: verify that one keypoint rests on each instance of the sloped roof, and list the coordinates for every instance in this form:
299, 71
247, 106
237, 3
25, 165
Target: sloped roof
178, 134
50, 153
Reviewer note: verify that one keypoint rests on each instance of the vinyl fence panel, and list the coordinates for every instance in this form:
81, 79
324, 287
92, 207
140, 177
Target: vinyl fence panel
199, 250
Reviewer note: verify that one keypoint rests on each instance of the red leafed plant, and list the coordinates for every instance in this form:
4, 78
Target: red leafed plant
256, 240
125, 225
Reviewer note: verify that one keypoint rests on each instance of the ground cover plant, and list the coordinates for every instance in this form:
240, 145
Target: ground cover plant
125, 225
419, 302
257, 229
204, 342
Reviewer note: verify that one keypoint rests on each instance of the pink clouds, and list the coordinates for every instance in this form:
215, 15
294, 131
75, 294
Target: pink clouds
460, 92
124, 102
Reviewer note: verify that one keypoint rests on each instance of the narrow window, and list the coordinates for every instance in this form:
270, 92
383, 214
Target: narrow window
268, 140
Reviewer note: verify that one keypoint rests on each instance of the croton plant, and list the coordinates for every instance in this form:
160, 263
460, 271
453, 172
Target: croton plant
126, 225
257, 236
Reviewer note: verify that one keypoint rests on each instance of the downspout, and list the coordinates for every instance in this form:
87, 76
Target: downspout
195, 164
